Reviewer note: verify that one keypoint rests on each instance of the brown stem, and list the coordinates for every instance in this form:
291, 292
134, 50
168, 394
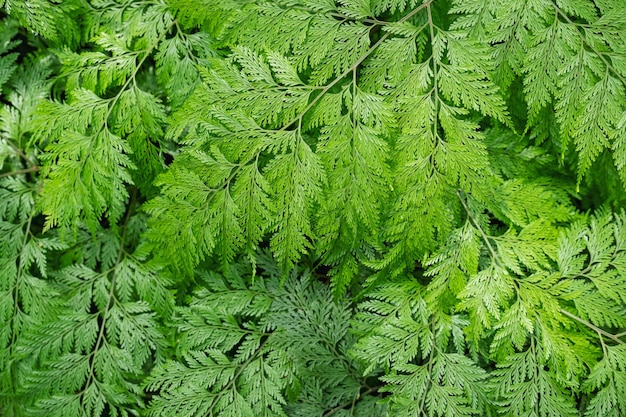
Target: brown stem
19, 171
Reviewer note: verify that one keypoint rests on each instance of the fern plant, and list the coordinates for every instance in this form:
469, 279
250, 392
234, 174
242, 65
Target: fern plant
313, 208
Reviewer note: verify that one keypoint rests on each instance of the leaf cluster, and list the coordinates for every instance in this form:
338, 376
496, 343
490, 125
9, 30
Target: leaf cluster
321, 208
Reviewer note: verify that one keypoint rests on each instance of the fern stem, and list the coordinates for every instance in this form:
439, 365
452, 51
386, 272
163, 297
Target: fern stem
21, 153
535, 371
474, 222
593, 327
16, 304
111, 296
20, 171
431, 357
435, 92
136, 70
233, 383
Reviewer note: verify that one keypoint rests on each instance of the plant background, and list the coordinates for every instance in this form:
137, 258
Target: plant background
313, 208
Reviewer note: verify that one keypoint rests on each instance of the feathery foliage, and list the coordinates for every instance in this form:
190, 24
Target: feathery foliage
262, 349
313, 208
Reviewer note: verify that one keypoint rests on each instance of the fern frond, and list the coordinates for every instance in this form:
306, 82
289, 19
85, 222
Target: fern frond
420, 371
260, 350
607, 382
50, 20
526, 387
93, 355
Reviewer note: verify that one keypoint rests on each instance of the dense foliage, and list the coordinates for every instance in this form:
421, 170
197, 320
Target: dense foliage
313, 208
